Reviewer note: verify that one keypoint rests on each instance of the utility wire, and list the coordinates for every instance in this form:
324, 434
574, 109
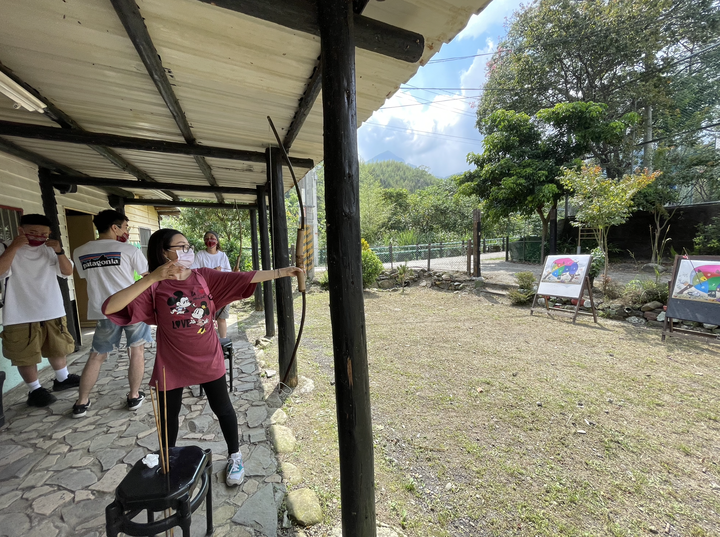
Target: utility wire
426, 133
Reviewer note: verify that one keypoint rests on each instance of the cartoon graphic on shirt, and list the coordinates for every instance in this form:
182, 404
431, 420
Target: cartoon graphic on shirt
180, 302
200, 316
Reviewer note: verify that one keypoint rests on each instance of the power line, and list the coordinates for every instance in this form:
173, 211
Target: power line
456, 58
425, 133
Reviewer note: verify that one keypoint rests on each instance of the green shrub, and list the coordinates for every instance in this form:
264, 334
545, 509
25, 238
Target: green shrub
612, 289
526, 280
639, 292
707, 240
371, 267
597, 265
526, 288
404, 272
324, 281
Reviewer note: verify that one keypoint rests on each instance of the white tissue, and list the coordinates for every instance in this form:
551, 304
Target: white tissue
151, 460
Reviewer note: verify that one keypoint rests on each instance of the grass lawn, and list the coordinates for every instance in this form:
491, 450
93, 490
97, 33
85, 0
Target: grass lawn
490, 421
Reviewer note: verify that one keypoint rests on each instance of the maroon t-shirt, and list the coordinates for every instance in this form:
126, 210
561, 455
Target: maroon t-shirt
187, 345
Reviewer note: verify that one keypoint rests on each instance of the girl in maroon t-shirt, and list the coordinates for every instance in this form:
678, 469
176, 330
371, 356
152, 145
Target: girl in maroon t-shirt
182, 303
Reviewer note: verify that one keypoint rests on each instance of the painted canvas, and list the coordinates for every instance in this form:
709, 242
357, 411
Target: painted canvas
697, 280
563, 275
565, 269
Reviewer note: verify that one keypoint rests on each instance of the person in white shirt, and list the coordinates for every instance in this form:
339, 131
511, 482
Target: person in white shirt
109, 265
34, 323
212, 257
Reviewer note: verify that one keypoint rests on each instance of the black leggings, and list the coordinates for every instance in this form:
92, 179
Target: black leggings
217, 396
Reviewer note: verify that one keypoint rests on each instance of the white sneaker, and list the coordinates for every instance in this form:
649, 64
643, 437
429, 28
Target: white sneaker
235, 470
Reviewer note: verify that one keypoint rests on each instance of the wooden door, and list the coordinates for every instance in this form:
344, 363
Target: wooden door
80, 230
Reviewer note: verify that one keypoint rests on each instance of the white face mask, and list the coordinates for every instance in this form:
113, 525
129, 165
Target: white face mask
186, 259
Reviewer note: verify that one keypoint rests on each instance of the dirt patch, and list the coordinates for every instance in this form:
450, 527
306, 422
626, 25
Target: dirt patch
489, 421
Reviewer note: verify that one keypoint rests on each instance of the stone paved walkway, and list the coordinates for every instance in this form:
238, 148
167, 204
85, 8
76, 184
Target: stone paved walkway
57, 474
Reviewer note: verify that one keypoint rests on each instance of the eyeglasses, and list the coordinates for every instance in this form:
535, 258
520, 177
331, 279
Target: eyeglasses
184, 247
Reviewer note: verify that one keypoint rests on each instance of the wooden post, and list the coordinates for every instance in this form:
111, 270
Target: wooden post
429, 254
391, 255
347, 308
552, 247
507, 248
255, 257
477, 236
265, 259
281, 259
47, 193
469, 257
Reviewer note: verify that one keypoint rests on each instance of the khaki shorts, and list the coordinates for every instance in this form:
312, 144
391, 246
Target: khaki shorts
26, 343
223, 313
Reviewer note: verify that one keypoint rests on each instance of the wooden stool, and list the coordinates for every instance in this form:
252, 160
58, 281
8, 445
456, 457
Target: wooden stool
148, 489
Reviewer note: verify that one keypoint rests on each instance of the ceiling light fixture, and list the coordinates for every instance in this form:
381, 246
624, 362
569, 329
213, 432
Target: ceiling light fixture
22, 97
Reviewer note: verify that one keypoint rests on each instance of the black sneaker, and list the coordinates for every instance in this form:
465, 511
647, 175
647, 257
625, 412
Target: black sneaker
80, 410
136, 402
40, 397
72, 381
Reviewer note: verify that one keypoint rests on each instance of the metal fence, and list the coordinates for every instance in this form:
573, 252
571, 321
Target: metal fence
454, 256
525, 250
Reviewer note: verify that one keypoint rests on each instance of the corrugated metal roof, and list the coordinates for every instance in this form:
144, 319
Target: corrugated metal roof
229, 71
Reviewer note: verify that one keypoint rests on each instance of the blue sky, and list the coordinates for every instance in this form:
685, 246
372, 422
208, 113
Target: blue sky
441, 134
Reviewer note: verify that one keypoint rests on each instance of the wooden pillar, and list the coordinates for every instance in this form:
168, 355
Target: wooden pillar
553, 233
265, 259
281, 259
47, 193
477, 240
347, 308
255, 257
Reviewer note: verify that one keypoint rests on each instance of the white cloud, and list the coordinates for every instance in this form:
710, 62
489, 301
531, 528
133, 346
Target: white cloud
435, 128
492, 16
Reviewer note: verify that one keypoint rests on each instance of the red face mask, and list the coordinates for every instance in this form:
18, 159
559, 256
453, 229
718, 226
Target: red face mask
210, 243
122, 238
36, 240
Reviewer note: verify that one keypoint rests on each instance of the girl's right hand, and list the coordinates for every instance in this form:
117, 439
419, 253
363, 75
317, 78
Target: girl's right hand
168, 271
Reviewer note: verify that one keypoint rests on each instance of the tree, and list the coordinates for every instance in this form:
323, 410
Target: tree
231, 226
627, 54
518, 171
689, 175
601, 201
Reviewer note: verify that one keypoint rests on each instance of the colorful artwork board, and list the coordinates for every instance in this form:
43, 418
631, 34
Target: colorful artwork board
695, 289
563, 275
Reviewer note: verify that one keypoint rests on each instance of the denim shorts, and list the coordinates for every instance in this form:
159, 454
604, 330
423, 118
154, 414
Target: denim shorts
107, 335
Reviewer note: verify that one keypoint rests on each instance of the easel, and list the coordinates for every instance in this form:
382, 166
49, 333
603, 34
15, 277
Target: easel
558, 311
669, 329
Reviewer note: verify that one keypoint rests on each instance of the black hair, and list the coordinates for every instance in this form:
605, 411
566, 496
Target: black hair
104, 220
217, 238
35, 220
158, 243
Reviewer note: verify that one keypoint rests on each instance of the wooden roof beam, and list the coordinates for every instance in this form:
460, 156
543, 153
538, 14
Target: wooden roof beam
199, 204
302, 15
137, 185
134, 24
43, 162
307, 101
53, 134
66, 122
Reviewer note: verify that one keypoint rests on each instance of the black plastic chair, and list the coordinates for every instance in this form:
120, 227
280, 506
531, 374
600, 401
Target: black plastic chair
228, 352
148, 489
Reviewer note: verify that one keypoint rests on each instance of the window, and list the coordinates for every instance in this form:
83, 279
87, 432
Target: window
9, 221
144, 238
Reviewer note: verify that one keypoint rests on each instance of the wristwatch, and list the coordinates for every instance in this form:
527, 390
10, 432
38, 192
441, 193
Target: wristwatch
61, 252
